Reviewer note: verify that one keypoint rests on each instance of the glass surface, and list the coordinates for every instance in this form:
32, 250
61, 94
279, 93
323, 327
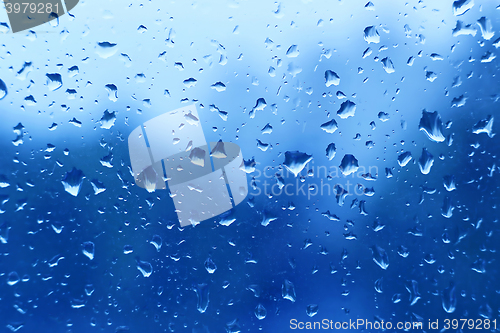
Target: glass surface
367, 133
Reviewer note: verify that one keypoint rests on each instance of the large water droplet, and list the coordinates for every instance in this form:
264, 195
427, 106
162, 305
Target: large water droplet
425, 161
191, 82
54, 81
484, 126
156, 241
412, 288
331, 151
486, 28
292, 51
312, 310
202, 293
348, 165
218, 86
88, 250
449, 299
331, 78
371, 35
4, 232
380, 257
197, 156
461, 29
145, 268
73, 181
260, 311
108, 119
295, 161
12, 278
432, 125
106, 49
210, 266
449, 183
404, 158
460, 7
330, 126
447, 208
3, 89
346, 109
288, 291
388, 65
112, 92
259, 106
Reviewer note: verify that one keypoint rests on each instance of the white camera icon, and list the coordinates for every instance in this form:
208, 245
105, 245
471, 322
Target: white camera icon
204, 180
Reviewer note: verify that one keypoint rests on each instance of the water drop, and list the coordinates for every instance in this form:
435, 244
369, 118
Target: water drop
449, 183
388, 65
461, 29
288, 291
210, 266
259, 106
412, 288
484, 126
486, 28
425, 161
330, 126
404, 158
218, 86
380, 257
260, 312
97, 186
447, 208
295, 161
432, 125
12, 278
88, 250
145, 268
349, 165
4, 232
112, 92
331, 78
3, 89
312, 310
156, 241
54, 81
378, 285
371, 35
460, 7
197, 157
191, 82
292, 51
73, 181
106, 49
202, 293
346, 109
449, 298
108, 119
430, 76
331, 151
